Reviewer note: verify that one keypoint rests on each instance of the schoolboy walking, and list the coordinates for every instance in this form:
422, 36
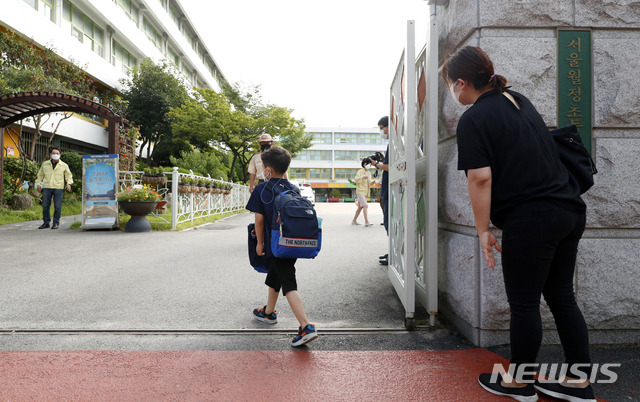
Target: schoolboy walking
282, 271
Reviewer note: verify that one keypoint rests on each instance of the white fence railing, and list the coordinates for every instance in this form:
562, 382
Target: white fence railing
178, 207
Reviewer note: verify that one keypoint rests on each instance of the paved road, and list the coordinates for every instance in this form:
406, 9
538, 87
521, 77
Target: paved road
196, 291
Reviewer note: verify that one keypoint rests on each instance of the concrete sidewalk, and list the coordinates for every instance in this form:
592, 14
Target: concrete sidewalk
65, 223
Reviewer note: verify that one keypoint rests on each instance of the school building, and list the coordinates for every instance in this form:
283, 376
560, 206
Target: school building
109, 37
334, 158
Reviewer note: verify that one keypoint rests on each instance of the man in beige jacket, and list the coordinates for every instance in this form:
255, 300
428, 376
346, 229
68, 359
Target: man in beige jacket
52, 176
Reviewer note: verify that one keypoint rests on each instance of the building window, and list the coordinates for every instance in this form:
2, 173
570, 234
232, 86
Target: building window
345, 173
320, 174
83, 28
121, 58
346, 156
173, 56
152, 33
319, 155
186, 32
302, 156
297, 173
364, 154
370, 139
187, 73
175, 16
346, 138
44, 6
321, 138
130, 9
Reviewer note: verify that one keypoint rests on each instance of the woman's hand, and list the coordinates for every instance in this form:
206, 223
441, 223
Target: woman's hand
487, 242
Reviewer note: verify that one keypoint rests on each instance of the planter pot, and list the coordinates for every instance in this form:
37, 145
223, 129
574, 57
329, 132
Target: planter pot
183, 188
138, 211
153, 179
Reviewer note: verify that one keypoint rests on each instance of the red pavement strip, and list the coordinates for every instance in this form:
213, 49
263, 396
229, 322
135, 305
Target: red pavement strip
246, 375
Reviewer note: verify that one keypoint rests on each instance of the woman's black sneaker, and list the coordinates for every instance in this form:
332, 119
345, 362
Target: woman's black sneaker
525, 394
566, 393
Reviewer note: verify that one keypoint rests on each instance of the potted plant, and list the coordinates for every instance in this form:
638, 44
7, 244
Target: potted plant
334, 195
184, 186
154, 175
227, 188
138, 201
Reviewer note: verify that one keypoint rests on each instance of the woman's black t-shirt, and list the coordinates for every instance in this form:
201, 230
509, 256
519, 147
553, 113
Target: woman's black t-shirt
516, 145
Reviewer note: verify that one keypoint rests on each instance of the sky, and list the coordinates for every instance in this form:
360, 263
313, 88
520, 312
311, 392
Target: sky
332, 61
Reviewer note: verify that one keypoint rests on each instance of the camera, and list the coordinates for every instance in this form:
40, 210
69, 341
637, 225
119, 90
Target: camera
371, 159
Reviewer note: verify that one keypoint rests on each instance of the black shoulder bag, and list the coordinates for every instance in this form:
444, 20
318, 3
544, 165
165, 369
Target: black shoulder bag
574, 156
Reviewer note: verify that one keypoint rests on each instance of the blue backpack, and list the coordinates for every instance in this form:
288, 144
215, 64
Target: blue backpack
296, 231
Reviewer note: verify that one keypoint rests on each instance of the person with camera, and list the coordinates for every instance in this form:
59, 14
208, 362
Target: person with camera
383, 165
363, 189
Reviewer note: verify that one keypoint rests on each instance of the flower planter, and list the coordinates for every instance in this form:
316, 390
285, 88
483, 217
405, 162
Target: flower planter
183, 188
153, 179
138, 211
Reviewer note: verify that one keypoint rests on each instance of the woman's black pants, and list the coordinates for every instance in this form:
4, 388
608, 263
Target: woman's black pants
540, 244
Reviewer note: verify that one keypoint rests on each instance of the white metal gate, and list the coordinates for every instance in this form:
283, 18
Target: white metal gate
413, 176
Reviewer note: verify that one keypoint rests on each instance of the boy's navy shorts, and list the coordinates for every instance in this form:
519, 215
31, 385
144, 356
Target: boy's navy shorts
282, 275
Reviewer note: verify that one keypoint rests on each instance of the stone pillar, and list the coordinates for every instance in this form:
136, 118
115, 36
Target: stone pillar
520, 37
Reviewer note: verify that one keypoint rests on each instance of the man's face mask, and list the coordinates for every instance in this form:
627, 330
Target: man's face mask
264, 147
455, 95
55, 157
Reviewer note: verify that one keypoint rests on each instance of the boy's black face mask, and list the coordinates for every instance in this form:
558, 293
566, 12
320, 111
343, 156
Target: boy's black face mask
264, 147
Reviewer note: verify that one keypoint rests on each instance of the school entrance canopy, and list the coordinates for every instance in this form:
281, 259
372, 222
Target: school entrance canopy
18, 106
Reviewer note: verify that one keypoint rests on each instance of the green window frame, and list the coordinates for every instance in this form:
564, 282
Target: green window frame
315, 155
322, 138
84, 26
346, 138
302, 156
187, 73
370, 138
152, 33
345, 173
320, 174
298, 173
174, 16
119, 53
130, 8
173, 56
346, 155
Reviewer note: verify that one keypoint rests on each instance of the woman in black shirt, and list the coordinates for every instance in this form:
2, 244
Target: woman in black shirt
516, 181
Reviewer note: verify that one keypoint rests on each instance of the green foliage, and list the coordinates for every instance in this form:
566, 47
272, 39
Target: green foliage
335, 193
12, 173
151, 90
74, 160
202, 162
138, 194
25, 67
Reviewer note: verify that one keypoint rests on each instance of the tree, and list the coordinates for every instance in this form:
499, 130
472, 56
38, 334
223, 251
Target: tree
270, 119
25, 67
210, 163
151, 90
208, 122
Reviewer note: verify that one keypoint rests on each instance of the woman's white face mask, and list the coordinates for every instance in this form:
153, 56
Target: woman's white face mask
455, 95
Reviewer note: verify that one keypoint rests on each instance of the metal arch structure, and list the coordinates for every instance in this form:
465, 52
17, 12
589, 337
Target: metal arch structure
18, 106
15, 107
413, 176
